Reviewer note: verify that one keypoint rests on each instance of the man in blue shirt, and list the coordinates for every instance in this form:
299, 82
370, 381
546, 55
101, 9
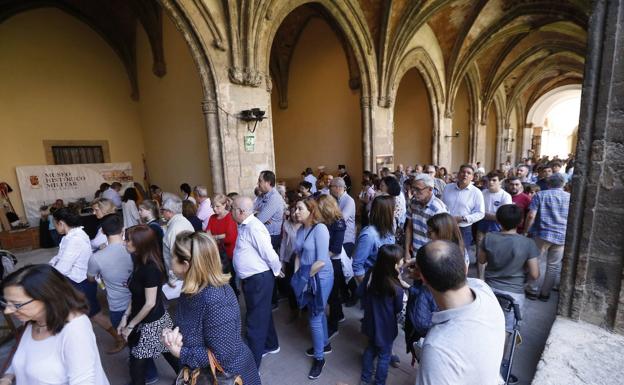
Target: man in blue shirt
549, 212
269, 207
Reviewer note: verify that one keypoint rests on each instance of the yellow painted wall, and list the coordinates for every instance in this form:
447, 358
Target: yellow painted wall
461, 123
176, 142
59, 80
490, 141
322, 124
412, 121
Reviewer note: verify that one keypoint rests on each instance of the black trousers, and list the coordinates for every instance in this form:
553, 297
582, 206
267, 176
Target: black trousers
336, 297
139, 365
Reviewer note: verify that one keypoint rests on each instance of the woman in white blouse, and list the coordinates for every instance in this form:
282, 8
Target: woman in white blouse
72, 261
129, 208
58, 345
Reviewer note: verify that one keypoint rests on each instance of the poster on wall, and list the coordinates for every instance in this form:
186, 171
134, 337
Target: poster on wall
42, 185
382, 161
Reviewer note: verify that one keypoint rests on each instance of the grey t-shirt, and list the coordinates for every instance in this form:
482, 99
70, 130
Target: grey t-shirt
506, 257
114, 264
465, 344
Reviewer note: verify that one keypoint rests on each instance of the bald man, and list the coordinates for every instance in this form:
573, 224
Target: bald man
257, 265
469, 312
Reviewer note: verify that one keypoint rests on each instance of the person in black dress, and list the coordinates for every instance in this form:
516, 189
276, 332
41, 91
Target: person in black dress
208, 314
146, 317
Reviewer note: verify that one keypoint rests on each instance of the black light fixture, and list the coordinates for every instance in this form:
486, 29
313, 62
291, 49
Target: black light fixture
252, 115
453, 136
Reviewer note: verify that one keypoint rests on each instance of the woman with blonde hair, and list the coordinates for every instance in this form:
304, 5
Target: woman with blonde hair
102, 207
332, 218
208, 314
223, 228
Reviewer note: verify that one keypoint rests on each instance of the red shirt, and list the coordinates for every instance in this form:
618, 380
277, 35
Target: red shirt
227, 226
523, 201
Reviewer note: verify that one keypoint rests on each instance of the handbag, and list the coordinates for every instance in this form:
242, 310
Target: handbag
212, 375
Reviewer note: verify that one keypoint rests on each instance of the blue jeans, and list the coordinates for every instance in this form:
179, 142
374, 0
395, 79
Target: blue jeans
383, 355
318, 329
467, 235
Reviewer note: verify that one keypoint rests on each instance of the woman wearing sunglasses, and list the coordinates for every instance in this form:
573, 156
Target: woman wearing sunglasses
58, 344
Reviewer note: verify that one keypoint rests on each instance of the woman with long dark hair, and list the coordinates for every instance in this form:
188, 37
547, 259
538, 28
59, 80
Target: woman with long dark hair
58, 344
129, 208
146, 317
380, 231
382, 300
444, 227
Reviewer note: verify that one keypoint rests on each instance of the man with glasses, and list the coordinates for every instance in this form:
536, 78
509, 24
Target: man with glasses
438, 184
424, 205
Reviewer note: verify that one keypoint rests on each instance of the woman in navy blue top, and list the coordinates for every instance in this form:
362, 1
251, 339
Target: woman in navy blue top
332, 217
208, 316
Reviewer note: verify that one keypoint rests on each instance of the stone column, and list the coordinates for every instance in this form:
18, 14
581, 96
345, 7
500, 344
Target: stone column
367, 134
592, 285
445, 157
211, 114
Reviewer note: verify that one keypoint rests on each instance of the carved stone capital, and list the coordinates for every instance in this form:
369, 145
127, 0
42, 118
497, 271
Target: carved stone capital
385, 101
448, 113
365, 102
209, 106
236, 75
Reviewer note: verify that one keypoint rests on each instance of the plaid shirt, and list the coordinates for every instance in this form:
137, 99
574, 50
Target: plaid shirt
419, 216
552, 215
269, 209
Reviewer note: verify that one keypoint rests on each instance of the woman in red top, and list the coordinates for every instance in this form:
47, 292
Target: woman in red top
223, 228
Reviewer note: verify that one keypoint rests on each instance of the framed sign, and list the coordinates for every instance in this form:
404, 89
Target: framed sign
382, 161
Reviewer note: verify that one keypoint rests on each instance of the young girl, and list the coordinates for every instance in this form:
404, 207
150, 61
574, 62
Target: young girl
382, 302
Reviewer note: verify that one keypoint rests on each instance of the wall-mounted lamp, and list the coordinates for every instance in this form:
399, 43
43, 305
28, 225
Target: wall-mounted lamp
253, 115
453, 136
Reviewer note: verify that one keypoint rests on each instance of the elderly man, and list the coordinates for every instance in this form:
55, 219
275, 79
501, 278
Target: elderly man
338, 189
112, 193
465, 344
176, 223
204, 208
438, 184
465, 202
549, 211
423, 205
257, 265
269, 207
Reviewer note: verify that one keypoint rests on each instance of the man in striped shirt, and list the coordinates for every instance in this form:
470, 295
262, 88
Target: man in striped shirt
423, 206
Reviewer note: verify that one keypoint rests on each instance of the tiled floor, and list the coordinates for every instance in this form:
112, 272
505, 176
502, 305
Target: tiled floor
291, 365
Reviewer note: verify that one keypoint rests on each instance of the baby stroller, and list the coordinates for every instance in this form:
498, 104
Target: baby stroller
510, 306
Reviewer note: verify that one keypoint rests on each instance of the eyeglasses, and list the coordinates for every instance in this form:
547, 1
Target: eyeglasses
15, 306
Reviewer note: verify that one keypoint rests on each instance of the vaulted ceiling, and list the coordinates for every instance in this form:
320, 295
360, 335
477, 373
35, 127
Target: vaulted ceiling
523, 47
115, 21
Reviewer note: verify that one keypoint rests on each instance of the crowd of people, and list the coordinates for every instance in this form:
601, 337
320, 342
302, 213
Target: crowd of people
407, 264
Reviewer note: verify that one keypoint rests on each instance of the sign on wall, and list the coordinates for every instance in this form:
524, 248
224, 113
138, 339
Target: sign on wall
42, 185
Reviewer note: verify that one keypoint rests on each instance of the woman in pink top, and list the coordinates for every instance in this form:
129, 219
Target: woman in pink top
223, 228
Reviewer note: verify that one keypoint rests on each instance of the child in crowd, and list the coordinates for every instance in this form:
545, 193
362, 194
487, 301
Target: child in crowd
418, 313
382, 300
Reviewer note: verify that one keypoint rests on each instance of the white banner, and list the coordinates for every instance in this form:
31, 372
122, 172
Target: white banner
42, 185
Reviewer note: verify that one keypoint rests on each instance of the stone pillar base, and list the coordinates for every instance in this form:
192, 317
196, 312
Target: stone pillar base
580, 353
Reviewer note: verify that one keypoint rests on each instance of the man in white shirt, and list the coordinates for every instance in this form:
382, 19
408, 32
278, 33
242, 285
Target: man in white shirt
176, 223
464, 202
309, 177
465, 344
338, 189
204, 209
493, 198
112, 193
257, 264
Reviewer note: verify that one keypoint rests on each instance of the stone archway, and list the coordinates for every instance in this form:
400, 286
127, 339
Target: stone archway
413, 121
319, 124
461, 128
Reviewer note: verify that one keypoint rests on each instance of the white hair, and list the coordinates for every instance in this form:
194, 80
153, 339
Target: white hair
173, 204
201, 191
245, 204
425, 178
